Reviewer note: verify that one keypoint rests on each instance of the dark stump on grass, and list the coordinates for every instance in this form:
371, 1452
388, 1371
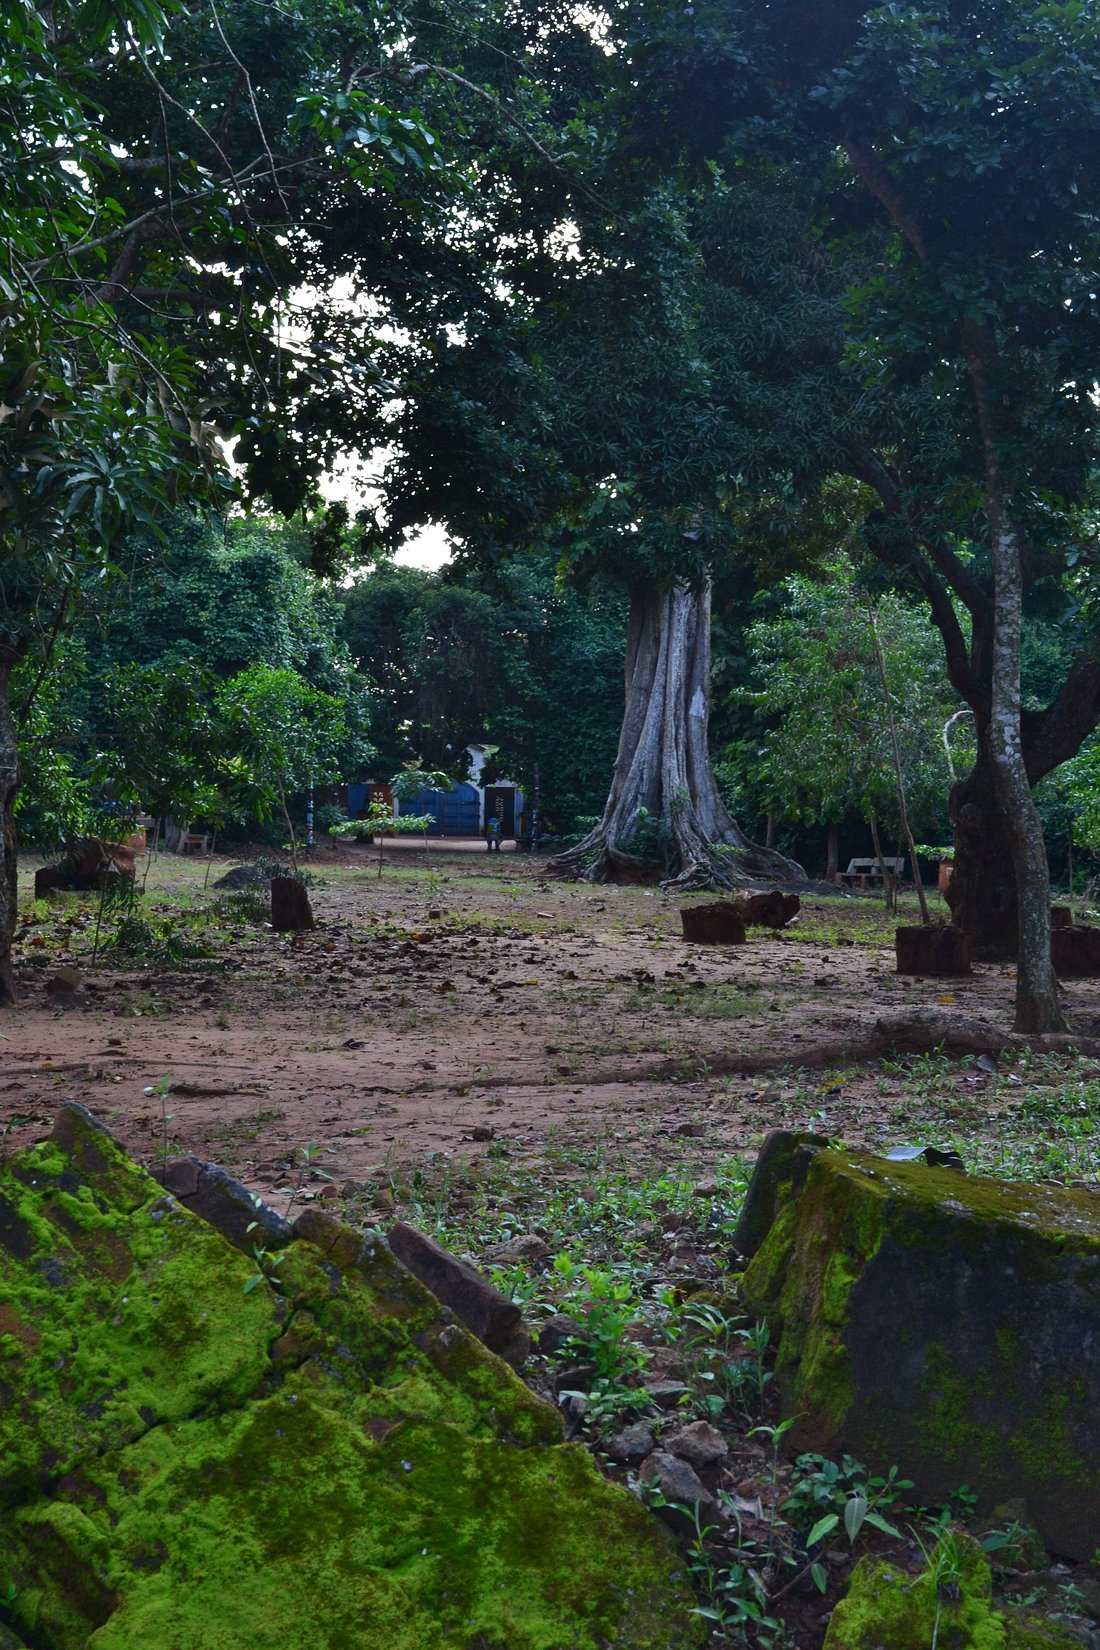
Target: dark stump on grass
717, 924
772, 909
940, 952
88, 862
1075, 951
290, 907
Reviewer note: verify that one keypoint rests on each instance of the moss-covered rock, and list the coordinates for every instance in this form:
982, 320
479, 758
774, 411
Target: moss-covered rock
945, 1324
949, 1605
187, 1463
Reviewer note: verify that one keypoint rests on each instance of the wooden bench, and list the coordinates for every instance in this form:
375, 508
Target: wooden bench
198, 840
867, 873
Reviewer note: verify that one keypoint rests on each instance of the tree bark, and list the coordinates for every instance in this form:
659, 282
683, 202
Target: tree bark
899, 777
662, 780
9, 785
982, 890
889, 882
832, 853
1037, 1006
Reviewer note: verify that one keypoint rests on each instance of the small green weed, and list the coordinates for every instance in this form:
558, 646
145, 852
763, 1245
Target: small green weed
733, 1586
829, 1498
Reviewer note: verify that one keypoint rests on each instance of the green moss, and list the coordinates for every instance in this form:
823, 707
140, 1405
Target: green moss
1025, 1632
948, 1604
802, 1279
411, 1344
62, 1581
285, 1524
307, 1466
941, 1324
138, 1319
762, 1281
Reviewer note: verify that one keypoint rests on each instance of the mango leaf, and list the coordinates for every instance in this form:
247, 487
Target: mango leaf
824, 1526
854, 1514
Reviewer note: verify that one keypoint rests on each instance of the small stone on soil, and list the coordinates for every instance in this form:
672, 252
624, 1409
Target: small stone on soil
632, 1444
700, 1444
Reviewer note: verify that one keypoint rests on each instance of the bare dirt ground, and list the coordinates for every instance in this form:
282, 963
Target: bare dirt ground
465, 1005
546, 1077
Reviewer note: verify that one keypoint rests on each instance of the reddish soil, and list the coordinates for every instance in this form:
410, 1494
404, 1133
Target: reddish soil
441, 1010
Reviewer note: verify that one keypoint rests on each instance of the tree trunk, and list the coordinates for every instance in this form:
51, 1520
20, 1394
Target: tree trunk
895, 750
889, 884
832, 853
982, 890
1037, 1006
9, 785
663, 788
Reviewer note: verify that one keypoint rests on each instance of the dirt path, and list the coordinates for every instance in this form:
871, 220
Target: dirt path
461, 1008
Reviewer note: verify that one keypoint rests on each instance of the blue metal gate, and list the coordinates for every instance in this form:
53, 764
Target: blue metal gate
456, 812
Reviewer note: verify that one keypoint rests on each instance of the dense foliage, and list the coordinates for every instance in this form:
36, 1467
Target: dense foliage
515, 661
143, 702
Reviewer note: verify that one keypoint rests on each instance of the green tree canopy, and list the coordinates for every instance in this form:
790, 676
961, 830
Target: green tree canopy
822, 749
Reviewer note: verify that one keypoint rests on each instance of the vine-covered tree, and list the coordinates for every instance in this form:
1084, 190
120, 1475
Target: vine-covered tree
653, 320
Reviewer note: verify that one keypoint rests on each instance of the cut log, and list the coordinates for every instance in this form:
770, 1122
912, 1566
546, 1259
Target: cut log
290, 907
87, 862
1061, 916
936, 952
769, 910
1075, 952
718, 924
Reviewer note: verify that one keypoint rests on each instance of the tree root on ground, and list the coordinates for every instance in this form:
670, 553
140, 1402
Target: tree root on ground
925, 1032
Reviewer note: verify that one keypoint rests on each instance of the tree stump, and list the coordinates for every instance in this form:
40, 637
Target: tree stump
290, 907
938, 952
769, 910
717, 924
1061, 916
87, 862
97, 863
1075, 952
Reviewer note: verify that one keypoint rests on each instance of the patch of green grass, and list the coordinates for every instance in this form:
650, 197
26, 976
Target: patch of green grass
701, 1002
1048, 1134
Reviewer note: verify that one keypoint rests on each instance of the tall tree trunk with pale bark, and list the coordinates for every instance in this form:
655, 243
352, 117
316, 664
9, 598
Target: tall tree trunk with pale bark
1037, 1006
663, 780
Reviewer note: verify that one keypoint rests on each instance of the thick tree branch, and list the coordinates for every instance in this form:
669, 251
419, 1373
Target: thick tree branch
1054, 735
871, 172
865, 466
114, 288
